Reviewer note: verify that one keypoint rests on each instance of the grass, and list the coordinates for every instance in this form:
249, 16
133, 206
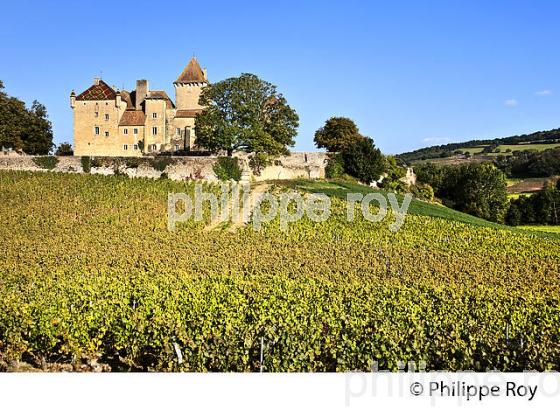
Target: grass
542, 228
339, 189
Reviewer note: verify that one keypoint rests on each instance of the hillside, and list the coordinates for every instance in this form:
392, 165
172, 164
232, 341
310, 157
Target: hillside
90, 277
535, 141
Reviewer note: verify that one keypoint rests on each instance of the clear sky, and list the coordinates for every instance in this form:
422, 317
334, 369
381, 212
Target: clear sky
410, 73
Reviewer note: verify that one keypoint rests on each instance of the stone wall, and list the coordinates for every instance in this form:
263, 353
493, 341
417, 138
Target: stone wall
296, 165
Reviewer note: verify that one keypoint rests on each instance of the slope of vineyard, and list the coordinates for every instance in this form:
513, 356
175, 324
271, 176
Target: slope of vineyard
89, 273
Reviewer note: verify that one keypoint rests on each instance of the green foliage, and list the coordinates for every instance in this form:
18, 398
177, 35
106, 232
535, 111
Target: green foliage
335, 167
132, 162
337, 134
331, 296
161, 163
86, 164
477, 189
46, 162
227, 168
392, 182
97, 162
422, 191
245, 113
541, 208
22, 128
64, 149
259, 161
363, 161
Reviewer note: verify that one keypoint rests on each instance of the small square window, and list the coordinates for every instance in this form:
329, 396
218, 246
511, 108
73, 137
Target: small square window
106, 133
125, 131
135, 131
125, 147
154, 115
96, 130
154, 130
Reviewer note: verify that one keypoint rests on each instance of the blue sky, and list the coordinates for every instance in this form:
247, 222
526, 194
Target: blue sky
410, 73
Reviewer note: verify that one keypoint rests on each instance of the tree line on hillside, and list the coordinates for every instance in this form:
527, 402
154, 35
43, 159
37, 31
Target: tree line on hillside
541, 208
530, 164
447, 150
24, 129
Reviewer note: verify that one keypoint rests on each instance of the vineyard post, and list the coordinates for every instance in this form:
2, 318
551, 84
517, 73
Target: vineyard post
262, 354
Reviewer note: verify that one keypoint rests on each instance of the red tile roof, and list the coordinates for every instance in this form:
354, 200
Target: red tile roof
192, 73
132, 117
187, 113
101, 91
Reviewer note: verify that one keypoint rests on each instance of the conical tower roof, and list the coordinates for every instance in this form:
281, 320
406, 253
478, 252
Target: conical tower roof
192, 73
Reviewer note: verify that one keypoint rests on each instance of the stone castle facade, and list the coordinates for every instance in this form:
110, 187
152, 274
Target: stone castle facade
112, 122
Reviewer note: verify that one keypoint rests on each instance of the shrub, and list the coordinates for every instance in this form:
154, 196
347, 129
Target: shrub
132, 162
335, 167
96, 163
46, 162
258, 162
227, 168
86, 164
423, 191
160, 164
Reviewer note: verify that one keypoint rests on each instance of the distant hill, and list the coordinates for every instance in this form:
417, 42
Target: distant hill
526, 141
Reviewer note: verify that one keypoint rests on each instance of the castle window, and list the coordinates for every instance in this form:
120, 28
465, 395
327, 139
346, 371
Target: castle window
106, 117
106, 133
135, 131
125, 131
96, 131
154, 115
176, 147
125, 147
178, 131
96, 114
154, 130
135, 147
153, 147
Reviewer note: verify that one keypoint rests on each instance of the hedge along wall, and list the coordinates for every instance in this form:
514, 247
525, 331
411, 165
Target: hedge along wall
296, 165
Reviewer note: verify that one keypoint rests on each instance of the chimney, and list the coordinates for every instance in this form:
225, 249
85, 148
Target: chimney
73, 99
118, 99
141, 92
205, 72
96, 80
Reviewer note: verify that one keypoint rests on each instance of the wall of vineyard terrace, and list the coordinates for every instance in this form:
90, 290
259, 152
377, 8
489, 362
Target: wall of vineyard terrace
296, 165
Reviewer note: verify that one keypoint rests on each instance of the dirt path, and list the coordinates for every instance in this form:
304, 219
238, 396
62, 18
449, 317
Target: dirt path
243, 218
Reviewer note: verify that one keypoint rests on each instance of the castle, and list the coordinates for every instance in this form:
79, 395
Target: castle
112, 122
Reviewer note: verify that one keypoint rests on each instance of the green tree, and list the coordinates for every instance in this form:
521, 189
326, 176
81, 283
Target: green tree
247, 114
64, 149
363, 161
481, 191
24, 129
336, 134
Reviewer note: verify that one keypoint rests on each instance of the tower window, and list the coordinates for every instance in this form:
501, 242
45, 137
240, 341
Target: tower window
96, 114
106, 117
96, 130
154, 130
125, 131
135, 147
125, 147
106, 133
154, 115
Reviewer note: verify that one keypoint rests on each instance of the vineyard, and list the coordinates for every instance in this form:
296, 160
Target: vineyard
90, 276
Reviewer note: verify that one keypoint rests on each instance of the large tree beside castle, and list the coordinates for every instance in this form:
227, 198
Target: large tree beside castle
24, 129
247, 114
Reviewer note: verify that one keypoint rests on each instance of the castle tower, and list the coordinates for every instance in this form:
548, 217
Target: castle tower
189, 86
